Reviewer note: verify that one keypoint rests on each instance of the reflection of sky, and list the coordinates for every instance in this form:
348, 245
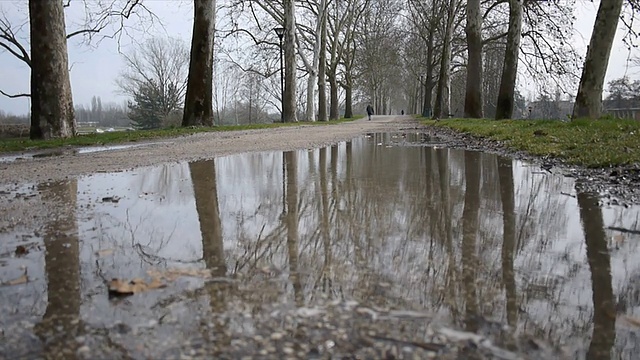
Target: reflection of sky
386, 235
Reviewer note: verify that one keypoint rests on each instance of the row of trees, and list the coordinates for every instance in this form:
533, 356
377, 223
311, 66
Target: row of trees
417, 54
52, 111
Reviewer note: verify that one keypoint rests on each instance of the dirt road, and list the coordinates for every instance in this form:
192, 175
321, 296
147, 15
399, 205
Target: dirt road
72, 163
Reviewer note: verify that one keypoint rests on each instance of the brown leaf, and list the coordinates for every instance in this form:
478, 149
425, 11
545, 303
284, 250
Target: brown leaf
21, 280
120, 287
21, 250
175, 273
632, 320
104, 252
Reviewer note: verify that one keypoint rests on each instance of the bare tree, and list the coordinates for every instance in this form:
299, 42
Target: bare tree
198, 108
289, 101
322, 70
589, 98
158, 66
52, 113
312, 38
506, 94
104, 18
473, 96
443, 106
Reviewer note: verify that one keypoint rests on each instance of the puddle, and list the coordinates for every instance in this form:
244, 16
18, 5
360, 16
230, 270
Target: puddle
379, 237
81, 150
92, 149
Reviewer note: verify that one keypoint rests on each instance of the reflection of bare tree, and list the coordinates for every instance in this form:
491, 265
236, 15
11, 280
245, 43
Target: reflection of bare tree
505, 174
469, 237
447, 234
60, 326
205, 191
291, 167
604, 321
203, 176
326, 237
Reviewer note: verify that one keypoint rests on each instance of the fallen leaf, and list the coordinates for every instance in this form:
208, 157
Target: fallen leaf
175, 273
632, 320
21, 280
105, 252
118, 287
21, 250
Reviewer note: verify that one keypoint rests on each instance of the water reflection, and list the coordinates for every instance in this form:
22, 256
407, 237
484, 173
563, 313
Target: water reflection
604, 316
477, 240
60, 324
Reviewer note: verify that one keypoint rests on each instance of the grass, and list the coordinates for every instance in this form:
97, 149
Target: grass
591, 143
119, 137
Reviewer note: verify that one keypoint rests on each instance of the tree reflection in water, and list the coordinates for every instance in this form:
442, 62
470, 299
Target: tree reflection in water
291, 167
60, 324
205, 191
604, 316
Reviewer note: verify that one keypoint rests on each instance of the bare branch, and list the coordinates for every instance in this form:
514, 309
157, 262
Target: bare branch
13, 96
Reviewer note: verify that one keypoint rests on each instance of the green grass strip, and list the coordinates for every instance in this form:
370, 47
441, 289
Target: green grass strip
591, 143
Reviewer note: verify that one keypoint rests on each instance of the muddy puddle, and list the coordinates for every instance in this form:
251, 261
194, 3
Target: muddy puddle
388, 246
59, 152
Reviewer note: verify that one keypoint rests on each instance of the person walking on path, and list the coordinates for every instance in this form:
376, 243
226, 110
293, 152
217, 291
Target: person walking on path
369, 111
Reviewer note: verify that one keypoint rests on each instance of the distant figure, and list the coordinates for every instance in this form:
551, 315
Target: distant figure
370, 111
402, 112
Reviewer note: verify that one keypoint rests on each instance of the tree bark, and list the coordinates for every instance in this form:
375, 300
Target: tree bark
52, 114
473, 96
322, 69
589, 99
198, 108
428, 85
442, 105
313, 67
505, 104
348, 96
333, 91
289, 44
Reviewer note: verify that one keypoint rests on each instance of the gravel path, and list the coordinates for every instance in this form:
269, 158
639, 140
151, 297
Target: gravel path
70, 163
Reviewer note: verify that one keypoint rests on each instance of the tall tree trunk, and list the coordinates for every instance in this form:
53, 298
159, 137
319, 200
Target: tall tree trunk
442, 106
52, 114
589, 99
428, 84
289, 44
348, 96
313, 66
505, 105
198, 107
473, 96
322, 71
334, 109
311, 94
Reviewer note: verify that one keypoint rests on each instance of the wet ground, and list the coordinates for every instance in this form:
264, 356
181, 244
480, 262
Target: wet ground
387, 246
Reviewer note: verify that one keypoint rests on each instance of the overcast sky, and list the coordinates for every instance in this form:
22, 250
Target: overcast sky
95, 69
